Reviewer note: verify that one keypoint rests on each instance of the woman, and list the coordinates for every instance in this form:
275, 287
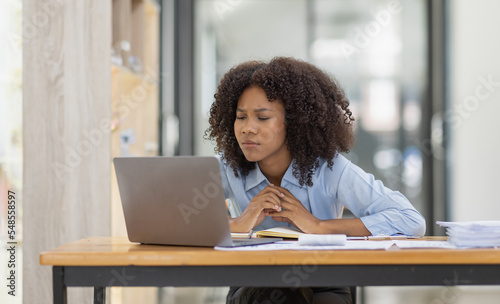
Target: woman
279, 128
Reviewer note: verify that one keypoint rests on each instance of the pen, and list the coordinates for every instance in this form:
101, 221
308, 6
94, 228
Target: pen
356, 238
250, 234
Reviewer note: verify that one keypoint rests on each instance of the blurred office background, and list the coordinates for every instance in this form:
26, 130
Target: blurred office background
422, 76
377, 50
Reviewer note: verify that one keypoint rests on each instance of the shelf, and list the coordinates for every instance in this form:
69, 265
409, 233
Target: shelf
134, 103
136, 31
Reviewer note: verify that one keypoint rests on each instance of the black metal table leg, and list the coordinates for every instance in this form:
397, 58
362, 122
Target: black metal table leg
99, 294
59, 287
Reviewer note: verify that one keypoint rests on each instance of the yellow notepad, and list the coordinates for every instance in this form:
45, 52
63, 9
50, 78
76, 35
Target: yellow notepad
282, 232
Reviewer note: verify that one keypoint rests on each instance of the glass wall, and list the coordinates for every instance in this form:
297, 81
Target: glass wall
230, 32
375, 49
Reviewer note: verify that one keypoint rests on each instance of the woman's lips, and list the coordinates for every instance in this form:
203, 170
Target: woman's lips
249, 144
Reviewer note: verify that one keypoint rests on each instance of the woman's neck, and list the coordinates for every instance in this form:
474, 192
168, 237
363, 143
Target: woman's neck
274, 172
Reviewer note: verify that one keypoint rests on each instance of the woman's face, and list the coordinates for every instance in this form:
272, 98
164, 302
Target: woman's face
260, 127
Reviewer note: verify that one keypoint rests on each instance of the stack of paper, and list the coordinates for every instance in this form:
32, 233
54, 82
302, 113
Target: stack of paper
473, 234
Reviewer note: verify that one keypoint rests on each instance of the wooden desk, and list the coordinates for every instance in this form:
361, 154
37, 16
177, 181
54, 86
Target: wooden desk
107, 261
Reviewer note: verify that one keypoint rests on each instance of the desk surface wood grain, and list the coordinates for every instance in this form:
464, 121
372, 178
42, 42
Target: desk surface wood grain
118, 251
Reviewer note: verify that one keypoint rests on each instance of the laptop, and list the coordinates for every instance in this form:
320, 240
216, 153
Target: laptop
176, 201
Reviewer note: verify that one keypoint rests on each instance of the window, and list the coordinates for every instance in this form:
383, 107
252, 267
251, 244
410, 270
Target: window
377, 50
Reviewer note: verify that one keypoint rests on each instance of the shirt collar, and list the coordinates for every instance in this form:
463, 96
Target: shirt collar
289, 177
255, 177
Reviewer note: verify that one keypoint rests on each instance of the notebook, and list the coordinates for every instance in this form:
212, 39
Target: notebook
283, 232
175, 201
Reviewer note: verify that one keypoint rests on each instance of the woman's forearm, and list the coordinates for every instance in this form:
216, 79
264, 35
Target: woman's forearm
350, 227
236, 226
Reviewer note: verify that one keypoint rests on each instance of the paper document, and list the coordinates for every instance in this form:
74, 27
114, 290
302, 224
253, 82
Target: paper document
294, 245
473, 234
424, 244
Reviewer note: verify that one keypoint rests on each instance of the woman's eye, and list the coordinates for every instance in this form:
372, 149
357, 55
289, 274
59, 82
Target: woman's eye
263, 118
240, 117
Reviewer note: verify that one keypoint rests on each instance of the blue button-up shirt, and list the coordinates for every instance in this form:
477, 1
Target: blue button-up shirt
382, 210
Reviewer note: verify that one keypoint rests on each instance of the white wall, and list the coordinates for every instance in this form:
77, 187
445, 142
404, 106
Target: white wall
475, 108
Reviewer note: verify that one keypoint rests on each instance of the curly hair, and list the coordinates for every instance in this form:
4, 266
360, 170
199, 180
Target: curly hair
318, 121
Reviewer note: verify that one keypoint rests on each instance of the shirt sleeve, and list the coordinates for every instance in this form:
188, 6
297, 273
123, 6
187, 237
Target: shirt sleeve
382, 210
223, 175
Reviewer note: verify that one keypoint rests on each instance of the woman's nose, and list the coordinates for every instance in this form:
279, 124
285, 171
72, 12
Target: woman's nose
249, 127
